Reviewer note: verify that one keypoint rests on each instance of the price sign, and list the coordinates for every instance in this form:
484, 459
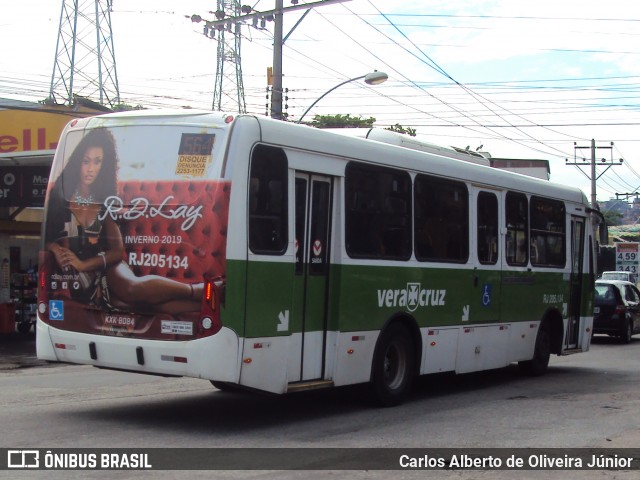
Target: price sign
628, 257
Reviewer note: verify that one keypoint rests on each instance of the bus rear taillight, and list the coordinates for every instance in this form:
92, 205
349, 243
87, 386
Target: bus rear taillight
212, 300
209, 297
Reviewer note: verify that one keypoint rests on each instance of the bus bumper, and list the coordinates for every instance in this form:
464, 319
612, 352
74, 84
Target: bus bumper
211, 358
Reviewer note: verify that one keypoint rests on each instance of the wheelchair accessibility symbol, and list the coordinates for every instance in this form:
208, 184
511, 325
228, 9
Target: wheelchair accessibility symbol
486, 295
56, 310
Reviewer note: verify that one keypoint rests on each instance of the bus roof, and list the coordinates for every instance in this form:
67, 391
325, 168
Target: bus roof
309, 138
306, 138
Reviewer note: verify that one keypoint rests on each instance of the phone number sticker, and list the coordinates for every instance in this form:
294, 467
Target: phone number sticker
158, 260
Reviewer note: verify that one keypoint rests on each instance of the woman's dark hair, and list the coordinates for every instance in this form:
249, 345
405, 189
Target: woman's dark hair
106, 183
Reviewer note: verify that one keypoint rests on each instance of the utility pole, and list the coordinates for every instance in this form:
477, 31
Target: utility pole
592, 163
276, 92
278, 39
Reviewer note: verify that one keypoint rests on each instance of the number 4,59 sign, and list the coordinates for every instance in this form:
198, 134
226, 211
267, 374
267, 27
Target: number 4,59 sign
628, 257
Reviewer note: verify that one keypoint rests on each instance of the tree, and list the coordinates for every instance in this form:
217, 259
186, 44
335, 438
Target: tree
400, 129
613, 218
341, 121
124, 107
347, 121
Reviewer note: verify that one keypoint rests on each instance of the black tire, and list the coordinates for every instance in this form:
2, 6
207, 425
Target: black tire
541, 353
393, 366
625, 335
24, 327
226, 387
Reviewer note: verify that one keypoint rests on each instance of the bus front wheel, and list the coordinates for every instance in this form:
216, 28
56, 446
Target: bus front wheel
541, 353
392, 369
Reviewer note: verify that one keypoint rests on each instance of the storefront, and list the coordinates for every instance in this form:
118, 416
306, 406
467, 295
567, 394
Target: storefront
29, 134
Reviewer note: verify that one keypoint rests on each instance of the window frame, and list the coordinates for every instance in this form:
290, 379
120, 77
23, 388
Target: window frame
440, 184
558, 210
370, 237
276, 163
512, 259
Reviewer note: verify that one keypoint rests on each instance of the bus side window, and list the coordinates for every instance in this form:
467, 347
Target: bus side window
487, 228
517, 221
441, 219
548, 232
378, 212
268, 201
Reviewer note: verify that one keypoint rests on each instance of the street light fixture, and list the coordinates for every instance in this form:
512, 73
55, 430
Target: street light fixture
373, 78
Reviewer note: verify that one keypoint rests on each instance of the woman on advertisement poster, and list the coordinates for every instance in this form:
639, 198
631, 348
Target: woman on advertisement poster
87, 244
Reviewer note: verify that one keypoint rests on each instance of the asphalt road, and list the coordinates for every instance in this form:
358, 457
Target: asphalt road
589, 400
18, 350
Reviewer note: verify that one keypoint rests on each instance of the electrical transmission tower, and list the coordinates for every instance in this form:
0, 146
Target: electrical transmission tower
230, 15
228, 92
85, 63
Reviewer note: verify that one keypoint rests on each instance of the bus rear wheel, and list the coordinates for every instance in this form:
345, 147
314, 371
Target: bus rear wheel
392, 369
541, 353
226, 386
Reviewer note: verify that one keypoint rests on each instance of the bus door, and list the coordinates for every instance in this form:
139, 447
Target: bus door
575, 282
312, 233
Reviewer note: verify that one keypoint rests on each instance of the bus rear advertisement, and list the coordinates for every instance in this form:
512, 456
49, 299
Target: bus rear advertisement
256, 253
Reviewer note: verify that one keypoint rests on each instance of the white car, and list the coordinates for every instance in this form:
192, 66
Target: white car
621, 275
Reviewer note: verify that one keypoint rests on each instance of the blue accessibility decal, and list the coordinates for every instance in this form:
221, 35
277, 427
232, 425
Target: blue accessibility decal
486, 295
56, 310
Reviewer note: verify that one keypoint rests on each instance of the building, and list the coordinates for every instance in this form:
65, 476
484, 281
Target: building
29, 133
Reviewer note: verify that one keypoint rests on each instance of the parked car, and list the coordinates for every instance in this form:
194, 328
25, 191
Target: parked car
620, 275
617, 309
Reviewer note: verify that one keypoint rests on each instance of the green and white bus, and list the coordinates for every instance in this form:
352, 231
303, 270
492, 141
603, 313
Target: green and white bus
257, 253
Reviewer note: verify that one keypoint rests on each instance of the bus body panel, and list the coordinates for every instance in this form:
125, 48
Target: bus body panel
354, 352
440, 350
222, 352
264, 363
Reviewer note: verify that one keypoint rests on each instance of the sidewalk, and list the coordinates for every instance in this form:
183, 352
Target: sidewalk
18, 350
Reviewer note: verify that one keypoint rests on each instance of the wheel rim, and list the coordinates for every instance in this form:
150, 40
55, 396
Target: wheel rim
395, 365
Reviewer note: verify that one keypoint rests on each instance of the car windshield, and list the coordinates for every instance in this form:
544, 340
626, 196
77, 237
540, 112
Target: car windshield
605, 295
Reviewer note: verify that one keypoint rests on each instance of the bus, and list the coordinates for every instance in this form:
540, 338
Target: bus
259, 254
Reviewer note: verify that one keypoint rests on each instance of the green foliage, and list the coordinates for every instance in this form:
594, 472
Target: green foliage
341, 121
613, 218
124, 107
400, 129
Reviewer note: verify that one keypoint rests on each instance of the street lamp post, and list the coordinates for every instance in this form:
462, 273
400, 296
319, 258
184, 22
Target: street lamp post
373, 78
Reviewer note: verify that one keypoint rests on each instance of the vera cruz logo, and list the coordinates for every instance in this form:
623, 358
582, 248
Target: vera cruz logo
411, 297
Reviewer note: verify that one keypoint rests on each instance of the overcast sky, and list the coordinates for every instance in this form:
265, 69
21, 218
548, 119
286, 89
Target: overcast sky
525, 79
